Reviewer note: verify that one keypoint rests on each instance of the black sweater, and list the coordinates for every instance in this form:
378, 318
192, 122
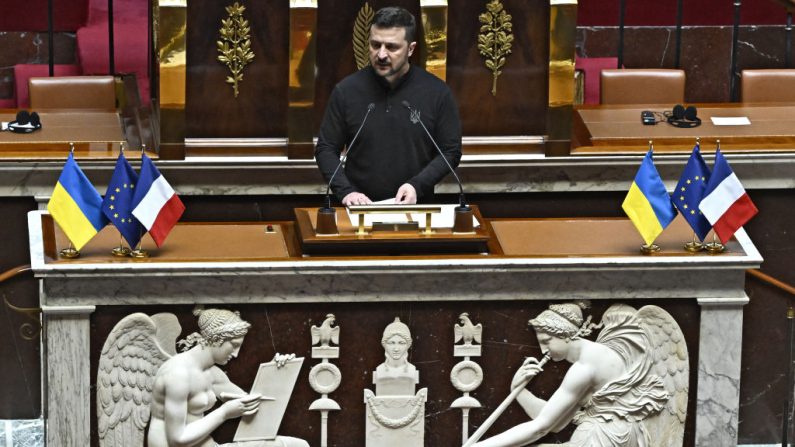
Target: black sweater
390, 150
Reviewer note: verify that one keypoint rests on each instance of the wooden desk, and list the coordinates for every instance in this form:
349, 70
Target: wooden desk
94, 133
618, 129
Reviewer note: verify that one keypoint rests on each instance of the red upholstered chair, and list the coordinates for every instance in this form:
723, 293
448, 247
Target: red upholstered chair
591, 68
642, 86
769, 85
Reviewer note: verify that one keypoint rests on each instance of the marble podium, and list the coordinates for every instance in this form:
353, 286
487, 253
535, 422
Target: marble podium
70, 291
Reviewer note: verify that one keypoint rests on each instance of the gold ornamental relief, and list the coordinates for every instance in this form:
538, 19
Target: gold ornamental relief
234, 48
361, 36
495, 39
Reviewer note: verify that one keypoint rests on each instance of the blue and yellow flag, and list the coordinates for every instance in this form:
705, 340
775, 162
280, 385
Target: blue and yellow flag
76, 205
689, 192
647, 203
117, 204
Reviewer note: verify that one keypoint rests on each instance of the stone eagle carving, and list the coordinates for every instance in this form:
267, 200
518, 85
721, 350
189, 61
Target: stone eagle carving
467, 331
326, 334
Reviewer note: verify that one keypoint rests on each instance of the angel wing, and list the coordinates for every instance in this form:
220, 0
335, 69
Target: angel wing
671, 364
130, 358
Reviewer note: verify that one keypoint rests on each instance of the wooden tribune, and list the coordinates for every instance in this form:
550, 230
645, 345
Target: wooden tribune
347, 241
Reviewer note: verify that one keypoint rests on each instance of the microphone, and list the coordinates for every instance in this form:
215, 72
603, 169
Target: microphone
370, 108
326, 215
414, 116
463, 213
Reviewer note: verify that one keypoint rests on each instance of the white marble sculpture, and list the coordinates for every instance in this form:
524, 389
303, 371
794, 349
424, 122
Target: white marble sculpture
395, 414
628, 388
142, 380
466, 375
325, 377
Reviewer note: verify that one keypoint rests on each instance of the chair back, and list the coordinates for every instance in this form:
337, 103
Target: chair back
73, 92
642, 86
769, 85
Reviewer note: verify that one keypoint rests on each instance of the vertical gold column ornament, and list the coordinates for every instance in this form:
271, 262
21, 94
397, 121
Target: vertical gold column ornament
361, 36
234, 48
562, 38
169, 26
434, 25
301, 92
495, 39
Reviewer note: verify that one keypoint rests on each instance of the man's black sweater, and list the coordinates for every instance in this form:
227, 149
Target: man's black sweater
390, 150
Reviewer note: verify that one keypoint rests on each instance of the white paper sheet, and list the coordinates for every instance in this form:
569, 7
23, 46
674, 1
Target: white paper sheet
445, 219
730, 120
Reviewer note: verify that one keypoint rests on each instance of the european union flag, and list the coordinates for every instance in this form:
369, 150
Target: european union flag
689, 192
117, 204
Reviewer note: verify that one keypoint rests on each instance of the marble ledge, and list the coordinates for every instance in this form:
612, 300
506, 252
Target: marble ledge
22, 433
480, 174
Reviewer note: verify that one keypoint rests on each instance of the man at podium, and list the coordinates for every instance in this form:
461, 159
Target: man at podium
392, 156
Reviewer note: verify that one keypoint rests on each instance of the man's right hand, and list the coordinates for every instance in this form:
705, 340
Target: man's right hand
356, 198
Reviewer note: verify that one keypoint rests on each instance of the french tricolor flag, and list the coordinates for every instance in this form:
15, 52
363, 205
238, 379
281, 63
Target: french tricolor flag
155, 203
726, 205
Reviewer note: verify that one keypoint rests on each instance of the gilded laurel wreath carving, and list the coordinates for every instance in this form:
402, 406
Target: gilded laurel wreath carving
234, 48
495, 39
361, 36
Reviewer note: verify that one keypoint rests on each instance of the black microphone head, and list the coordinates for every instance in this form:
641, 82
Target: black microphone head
370, 107
406, 104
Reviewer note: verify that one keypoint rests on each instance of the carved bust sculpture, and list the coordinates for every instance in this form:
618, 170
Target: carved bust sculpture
135, 369
396, 376
627, 388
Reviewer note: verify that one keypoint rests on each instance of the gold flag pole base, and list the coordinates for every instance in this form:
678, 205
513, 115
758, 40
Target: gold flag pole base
69, 253
139, 253
715, 248
694, 246
120, 251
649, 249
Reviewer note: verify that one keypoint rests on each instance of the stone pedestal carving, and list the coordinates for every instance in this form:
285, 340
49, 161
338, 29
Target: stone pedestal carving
395, 414
325, 377
466, 375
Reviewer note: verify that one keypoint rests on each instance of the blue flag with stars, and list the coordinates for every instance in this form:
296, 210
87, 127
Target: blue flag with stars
689, 192
117, 204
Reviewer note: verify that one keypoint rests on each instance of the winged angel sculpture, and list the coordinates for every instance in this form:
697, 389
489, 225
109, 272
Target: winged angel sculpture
142, 380
628, 388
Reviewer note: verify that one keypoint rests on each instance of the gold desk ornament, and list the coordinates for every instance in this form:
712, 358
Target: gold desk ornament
715, 247
495, 39
121, 251
234, 48
649, 249
361, 36
69, 252
694, 246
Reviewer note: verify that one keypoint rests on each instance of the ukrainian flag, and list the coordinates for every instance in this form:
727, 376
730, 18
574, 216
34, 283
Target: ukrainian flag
648, 204
76, 205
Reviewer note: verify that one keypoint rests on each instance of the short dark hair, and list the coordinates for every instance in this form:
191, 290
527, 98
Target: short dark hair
396, 17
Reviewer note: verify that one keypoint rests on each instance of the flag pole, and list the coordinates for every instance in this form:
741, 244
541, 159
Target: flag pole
140, 253
70, 252
715, 247
121, 251
648, 249
695, 246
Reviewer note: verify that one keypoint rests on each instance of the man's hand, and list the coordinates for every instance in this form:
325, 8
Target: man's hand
356, 198
406, 195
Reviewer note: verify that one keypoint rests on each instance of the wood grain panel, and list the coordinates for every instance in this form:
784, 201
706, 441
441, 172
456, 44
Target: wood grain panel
261, 108
521, 102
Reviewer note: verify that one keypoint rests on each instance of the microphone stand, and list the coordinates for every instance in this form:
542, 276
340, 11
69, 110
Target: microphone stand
326, 214
463, 212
